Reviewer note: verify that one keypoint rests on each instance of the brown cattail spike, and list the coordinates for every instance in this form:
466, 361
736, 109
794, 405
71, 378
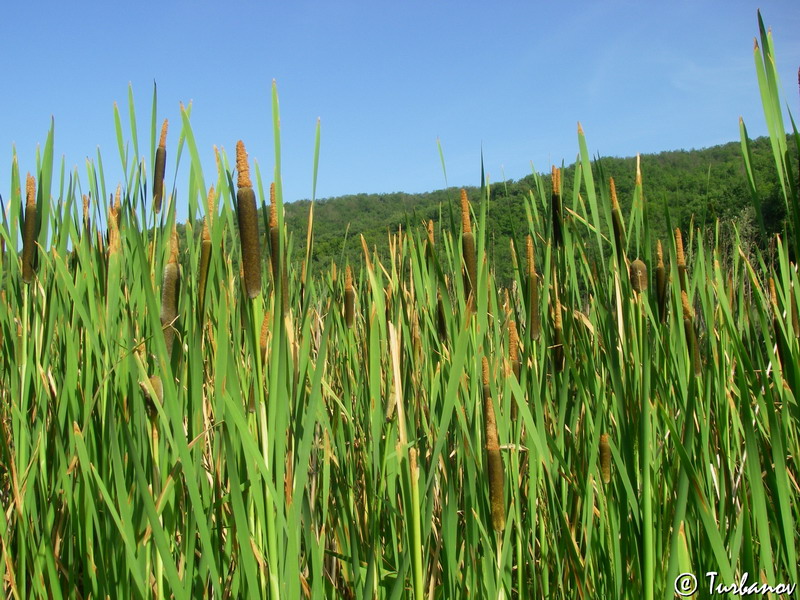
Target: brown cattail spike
349, 298
494, 460
29, 233
466, 225
534, 318
242, 168
617, 225
638, 275
605, 459
150, 400
556, 207
661, 283
468, 250
160, 168
558, 333
680, 259
691, 336
205, 252
248, 225
513, 348
170, 290
86, 212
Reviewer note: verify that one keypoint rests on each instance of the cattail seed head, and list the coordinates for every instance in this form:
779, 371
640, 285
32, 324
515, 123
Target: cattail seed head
534, 318
661, 283
160, 168
680, 259
150, 401
638, 275
466, 226
349, 298
29, 231
494, 460
205, 251
556, 207
605, 459
558, 333
513, 348
616, 222
170, 288
468, 250
248, 224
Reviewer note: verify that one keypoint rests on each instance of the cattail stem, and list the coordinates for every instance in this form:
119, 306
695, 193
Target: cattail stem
248, 224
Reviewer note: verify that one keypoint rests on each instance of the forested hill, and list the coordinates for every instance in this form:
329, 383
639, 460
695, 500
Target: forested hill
704, 185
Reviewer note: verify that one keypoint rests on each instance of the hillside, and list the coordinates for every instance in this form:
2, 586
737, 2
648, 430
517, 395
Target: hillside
704, 185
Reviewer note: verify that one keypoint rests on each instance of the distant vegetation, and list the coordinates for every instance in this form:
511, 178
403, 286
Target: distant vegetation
694, 185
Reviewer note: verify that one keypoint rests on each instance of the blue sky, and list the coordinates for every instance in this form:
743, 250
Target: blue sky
387, 80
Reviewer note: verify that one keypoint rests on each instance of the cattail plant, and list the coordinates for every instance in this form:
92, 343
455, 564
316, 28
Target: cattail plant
151, 399
513, 348
638, 275
558, 334
113, 229
661, 283
513, 356
159, 169
605, 459
277, 255
534, 318
468, 249
780, 340
616, 223
691, 336
248, 224
170, 289
555, 202
681, 259
205, 251
86, 219
349, 298
493, 459
29, 257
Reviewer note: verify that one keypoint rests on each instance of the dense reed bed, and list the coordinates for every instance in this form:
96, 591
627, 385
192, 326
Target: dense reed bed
203, 420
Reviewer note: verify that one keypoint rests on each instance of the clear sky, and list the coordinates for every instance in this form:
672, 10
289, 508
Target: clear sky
387, 79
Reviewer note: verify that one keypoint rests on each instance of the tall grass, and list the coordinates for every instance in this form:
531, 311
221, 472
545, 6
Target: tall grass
580, 434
